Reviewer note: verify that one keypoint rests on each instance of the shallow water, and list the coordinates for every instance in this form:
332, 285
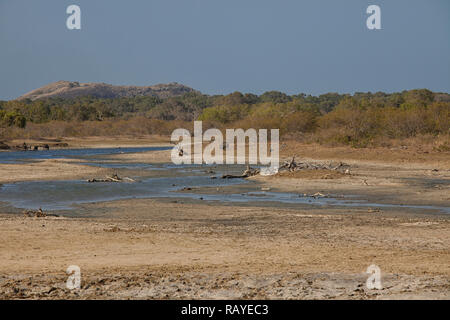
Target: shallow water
62, 195
20, 156
147, 166
65, 195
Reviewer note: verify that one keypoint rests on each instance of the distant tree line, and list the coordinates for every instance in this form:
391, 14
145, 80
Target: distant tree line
350, 119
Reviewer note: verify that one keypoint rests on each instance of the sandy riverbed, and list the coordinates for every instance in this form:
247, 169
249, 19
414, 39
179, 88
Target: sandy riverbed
150, 248
65, 169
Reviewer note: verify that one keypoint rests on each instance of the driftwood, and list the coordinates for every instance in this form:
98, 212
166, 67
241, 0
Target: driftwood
292, 165
38, 213
113, 178
249, 172
35, 213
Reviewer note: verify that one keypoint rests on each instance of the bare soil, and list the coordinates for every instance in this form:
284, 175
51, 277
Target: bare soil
168, 249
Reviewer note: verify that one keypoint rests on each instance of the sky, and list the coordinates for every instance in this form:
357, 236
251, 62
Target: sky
222, 46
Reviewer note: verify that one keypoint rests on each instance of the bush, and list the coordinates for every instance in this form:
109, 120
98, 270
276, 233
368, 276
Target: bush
357, 120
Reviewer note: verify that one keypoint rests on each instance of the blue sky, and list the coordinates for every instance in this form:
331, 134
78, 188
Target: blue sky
220, 46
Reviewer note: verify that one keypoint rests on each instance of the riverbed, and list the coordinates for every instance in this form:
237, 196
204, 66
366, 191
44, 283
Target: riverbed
172, 181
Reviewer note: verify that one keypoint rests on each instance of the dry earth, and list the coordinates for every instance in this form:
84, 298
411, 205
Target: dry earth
165, 249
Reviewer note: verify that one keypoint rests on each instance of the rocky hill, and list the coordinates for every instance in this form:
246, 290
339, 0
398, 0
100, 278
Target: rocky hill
70, 89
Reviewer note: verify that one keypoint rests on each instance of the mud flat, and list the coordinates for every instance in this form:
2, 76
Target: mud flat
64, 163
160, 249
182, 247
54, 169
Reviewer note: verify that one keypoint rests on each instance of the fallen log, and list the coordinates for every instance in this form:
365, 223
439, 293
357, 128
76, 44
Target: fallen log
249, 172
38, 213
35, 213
113, 178
231, 176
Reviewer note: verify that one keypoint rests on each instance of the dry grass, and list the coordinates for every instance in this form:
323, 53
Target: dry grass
137, 126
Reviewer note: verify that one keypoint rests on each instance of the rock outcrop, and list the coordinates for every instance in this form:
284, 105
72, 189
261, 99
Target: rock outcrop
69, 89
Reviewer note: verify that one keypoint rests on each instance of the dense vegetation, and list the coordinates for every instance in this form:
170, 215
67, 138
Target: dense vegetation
358, 120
